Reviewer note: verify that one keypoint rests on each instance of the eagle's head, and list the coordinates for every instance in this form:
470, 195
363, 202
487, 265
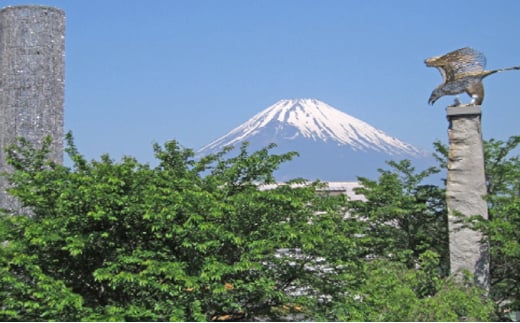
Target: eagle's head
436, 94
430, 62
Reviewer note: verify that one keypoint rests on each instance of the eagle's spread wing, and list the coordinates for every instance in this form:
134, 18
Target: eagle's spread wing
458, 63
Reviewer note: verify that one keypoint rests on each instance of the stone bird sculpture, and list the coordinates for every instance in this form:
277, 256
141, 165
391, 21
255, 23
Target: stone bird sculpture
462, 70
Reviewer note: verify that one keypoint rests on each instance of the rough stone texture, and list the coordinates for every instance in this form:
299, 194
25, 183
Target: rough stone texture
465, 189
32, 41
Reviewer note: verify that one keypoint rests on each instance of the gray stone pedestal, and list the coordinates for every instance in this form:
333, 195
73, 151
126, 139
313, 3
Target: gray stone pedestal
465, 191
32, 42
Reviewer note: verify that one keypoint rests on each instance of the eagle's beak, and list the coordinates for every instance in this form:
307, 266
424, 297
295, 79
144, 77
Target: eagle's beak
430, 60
432, 100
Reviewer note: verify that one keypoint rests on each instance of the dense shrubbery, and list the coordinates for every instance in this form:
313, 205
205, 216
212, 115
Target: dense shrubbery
109, 240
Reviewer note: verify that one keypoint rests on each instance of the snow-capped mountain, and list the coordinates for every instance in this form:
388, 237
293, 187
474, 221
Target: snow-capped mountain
317, 121
332, 144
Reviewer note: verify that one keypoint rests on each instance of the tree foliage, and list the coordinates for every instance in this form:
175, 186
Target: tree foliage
503, 229
393, 292
124, 241
195, 240
404, 217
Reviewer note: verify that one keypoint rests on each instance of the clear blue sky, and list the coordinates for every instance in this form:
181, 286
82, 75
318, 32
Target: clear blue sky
139, 72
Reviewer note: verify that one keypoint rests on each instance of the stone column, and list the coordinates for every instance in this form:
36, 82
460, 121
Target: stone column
465, 191
32, 42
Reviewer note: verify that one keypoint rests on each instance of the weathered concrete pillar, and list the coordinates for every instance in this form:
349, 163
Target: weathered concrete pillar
32, 42
465, 191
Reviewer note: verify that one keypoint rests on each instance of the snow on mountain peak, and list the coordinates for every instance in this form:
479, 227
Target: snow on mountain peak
315, 120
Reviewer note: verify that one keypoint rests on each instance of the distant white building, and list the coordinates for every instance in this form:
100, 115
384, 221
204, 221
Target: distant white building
347, 188
333, 188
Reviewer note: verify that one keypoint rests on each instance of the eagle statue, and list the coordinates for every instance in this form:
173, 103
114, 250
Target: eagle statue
462, 70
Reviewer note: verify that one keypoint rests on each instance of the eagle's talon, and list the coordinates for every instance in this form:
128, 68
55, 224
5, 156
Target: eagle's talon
474, 99
456, 102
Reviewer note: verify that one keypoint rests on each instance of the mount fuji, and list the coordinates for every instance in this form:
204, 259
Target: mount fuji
333, 146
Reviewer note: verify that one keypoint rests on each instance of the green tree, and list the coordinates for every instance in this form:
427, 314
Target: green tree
406, 235
503, 228
392, 292
403, 217
206, 240
107, 240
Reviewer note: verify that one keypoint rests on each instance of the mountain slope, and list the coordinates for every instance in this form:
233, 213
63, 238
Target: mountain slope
332, 144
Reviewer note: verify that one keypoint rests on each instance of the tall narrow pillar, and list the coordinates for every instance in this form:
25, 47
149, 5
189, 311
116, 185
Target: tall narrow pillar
32, 41
465, 191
